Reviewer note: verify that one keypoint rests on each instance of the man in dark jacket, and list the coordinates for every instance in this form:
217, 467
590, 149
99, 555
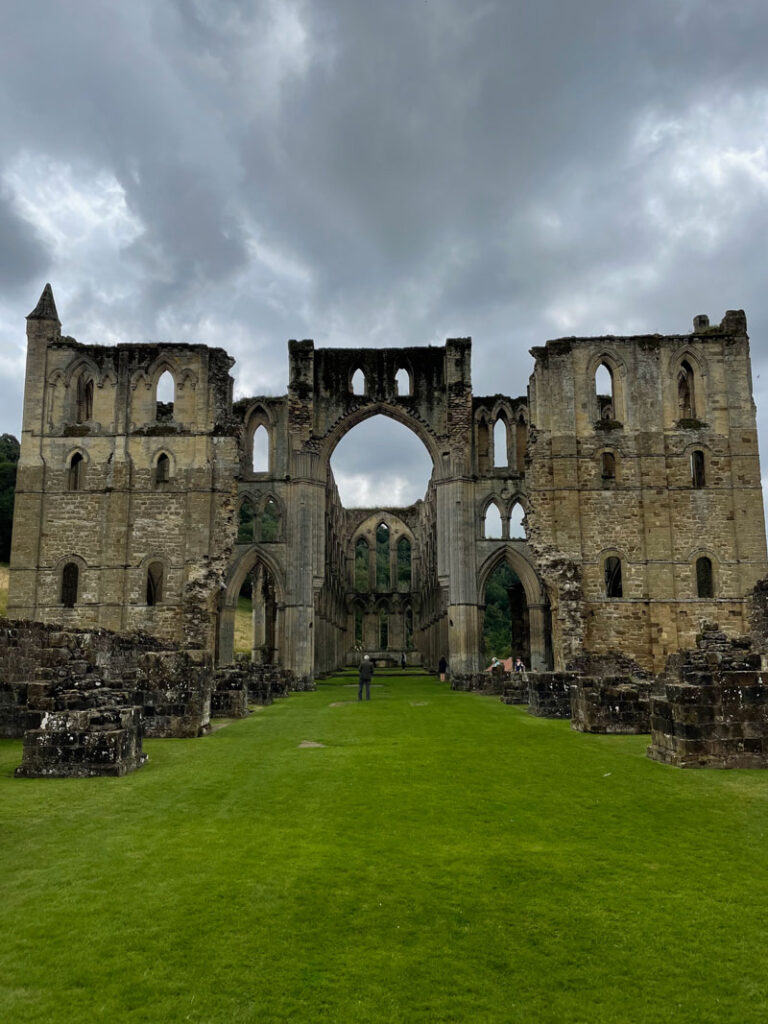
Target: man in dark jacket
366, 674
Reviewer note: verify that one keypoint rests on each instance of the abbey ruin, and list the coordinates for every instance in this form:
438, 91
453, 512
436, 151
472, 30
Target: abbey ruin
634, 461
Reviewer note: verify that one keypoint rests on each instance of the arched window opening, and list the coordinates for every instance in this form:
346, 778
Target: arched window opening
69, 581
403, 383
698, 476
516, 528
403, 564
260, 452
358, 626
84, 407
245, 524
492, 522
154, 583
383, 630
409, 629
500, 452
613, 586
383, 576
164, 397
358, 383
361, 564
270, 521
604, 392
608, 466
704, 578
483, 446
162, 470
76, 469
521, 440
366, 475
686, 402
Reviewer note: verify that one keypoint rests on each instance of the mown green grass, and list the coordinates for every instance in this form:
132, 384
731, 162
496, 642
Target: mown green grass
442, 858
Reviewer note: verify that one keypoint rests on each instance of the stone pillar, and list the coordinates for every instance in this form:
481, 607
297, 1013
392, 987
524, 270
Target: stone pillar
227, 635
537, 622
259, 614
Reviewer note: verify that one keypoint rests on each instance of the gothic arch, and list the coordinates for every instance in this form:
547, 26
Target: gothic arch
258, 416
240, 568
348, 422
79, 365
521, 564
536, 605
617, 368
696, 364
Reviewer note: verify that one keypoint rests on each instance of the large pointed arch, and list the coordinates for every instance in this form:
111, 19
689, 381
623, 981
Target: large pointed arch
346, 423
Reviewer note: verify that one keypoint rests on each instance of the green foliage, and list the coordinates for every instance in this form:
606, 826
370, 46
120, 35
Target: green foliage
245, 524
10, 449
403, 563
270, 521
9, 457
443, 857
497, 640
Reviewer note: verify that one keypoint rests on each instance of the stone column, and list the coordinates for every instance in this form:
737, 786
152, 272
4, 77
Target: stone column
537, 621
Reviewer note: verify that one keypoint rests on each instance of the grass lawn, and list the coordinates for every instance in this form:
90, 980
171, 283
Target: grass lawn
442, 857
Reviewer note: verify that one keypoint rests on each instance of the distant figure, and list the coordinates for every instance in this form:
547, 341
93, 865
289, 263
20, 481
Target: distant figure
442, 668
366, 674
519, 666
402, 660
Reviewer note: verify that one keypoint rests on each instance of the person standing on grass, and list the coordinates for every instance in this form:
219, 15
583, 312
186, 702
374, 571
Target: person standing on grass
442, 668
365, 674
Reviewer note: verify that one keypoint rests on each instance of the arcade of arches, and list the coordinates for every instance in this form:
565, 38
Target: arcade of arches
621, 494
397, 583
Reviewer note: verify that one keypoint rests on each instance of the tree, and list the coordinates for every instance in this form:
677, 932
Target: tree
9, 457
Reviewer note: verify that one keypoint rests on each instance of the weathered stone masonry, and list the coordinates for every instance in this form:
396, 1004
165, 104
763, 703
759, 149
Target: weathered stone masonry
642, 500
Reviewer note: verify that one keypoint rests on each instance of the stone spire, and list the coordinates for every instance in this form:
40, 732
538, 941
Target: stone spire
46, 307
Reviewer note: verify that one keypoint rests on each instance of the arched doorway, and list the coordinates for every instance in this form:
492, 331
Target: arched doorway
251, 616
515, 610
379, 500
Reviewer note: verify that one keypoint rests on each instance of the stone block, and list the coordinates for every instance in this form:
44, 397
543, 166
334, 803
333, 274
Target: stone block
610, 705
77, 744
549, 694
721, 725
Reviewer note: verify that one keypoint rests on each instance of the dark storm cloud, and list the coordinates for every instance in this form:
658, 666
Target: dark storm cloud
383, 173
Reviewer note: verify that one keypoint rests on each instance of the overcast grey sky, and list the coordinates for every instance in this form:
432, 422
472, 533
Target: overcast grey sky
376, 173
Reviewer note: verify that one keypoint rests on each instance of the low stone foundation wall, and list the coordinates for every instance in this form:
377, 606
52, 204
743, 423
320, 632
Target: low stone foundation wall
13, 710
719, 723
515, 689
78, 744
89, 674
549, 694
611, 705
490, 683
174, 693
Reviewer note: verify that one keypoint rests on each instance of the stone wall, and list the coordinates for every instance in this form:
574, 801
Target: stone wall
712, 724
648, 512
118, 523
79, 744
549, 694
619, 704
71, 676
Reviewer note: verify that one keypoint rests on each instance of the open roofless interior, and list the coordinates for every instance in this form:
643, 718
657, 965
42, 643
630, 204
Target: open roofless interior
147, 499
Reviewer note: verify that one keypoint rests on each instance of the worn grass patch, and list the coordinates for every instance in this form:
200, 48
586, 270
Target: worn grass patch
442, 857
